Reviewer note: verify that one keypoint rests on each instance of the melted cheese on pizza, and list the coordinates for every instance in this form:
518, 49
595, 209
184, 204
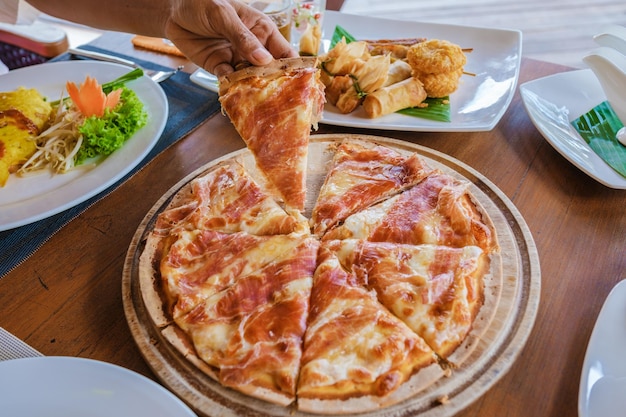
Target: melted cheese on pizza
227, 199
197, 264
436, 290
252, 330
353, 346
438, 210
361, 176
274, 115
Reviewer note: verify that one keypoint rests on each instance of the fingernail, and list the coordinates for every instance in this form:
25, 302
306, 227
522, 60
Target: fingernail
261, 55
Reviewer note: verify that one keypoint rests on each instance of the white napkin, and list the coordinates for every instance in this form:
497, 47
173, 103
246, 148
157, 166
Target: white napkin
13, 348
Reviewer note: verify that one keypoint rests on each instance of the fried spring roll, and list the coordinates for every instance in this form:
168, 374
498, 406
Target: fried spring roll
398, 71
407, 93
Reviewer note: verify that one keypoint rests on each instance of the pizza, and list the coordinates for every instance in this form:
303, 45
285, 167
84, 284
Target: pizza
377, 289
361, 176
273, 108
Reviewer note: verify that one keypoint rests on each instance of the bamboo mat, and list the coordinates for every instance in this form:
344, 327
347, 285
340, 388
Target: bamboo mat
558, 31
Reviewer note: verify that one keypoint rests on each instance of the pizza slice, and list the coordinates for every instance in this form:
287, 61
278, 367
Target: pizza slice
436, 290
227, 199
361, 175
273, 109
439, 210
197, 264
251, 332
356, 353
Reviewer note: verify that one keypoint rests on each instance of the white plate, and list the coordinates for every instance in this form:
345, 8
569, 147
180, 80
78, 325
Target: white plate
553, 102
603, 381
76, 387
24, 200
477, 105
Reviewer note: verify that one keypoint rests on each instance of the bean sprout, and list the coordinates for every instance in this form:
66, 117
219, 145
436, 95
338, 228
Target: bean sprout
58, 144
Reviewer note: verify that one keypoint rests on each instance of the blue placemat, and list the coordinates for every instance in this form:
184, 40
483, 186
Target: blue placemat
189, 106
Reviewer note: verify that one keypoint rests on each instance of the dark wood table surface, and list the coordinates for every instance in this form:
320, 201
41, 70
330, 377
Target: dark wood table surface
66, 299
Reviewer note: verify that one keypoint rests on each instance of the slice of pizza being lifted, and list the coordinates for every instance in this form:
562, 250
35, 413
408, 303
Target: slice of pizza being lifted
273, 108
361, 175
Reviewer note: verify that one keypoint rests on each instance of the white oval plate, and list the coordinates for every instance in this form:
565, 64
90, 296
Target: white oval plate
552, 103
477, 105
76, 387
24, 200
603, 381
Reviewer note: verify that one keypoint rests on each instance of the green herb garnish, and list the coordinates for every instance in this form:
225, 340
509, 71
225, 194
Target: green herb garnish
340, 33
103, 135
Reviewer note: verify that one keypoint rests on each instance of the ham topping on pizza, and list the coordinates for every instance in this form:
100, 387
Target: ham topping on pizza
353, 346
227, 199
252, 330
197, 264
436, 290
438, 210
360, 176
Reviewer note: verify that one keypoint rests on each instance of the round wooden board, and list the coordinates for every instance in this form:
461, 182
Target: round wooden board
486, 355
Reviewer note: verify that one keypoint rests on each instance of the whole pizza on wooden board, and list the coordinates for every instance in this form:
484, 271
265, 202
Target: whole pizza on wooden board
392, 296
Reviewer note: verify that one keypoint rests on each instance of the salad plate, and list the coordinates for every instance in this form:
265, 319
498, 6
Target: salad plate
603, 380
25, 199
484, 93
553, 102
57, 386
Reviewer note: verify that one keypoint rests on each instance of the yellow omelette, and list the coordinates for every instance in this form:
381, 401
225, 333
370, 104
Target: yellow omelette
23, 113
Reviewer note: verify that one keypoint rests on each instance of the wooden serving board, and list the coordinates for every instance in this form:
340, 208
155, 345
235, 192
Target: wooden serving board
500, 331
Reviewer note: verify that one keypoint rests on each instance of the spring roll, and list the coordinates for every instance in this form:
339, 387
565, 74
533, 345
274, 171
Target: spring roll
398, 96
398, 71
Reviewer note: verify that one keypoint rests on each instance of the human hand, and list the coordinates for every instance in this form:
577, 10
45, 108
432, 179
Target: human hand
219, 34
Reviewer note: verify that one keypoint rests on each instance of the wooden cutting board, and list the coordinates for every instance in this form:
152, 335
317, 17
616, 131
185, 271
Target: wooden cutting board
500, 331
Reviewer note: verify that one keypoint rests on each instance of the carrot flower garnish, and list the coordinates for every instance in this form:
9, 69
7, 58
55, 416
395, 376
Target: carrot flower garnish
90, 99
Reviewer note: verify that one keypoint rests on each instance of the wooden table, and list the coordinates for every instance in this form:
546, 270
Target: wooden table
66, 299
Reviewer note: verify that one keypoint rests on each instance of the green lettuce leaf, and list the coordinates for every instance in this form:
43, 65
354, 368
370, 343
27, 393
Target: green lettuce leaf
104, 135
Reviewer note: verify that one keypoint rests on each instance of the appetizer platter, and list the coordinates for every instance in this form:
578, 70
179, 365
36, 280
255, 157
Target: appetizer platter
44, 192
484, 92
499, 332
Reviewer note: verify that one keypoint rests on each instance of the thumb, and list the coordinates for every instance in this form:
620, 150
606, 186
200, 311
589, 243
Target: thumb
251, 49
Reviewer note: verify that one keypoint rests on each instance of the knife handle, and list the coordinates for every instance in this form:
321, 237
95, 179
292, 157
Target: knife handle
102, 57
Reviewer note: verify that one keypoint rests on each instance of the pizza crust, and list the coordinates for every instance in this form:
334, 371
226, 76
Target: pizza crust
276, 68
369, 403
